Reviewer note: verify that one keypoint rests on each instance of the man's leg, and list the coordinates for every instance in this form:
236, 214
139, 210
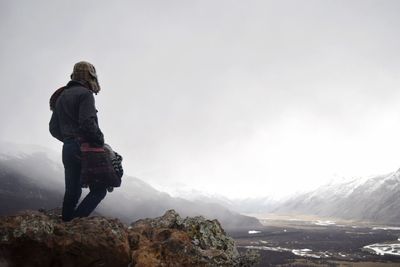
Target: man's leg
73, 191
90, 202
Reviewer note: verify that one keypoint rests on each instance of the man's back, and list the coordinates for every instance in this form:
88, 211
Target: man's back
75, 114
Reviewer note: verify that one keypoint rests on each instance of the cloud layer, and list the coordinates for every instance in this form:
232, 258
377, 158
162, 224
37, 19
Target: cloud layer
230, 97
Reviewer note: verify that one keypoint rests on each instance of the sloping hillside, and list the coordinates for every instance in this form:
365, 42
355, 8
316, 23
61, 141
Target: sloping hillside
374, 199
33, 180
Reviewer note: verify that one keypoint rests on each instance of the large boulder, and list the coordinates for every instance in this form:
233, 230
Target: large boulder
41, 239
170, 240
37, 239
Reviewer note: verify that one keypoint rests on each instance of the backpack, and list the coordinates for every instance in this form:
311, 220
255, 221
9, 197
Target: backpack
100, 165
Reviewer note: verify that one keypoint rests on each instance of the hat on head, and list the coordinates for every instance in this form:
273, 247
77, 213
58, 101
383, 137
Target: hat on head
86, 73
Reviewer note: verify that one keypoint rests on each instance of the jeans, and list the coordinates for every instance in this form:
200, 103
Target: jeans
72, 164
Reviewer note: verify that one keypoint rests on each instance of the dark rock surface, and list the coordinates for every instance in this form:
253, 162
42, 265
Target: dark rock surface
34, 238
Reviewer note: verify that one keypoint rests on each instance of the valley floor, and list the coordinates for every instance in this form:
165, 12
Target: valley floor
310, 241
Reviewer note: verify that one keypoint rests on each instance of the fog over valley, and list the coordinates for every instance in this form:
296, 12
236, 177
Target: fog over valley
225, 98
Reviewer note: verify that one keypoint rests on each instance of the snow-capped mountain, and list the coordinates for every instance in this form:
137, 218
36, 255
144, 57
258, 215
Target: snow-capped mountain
374, 199
31, 177
241, 205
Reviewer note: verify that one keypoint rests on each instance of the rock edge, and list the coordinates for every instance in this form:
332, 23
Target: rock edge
33, 238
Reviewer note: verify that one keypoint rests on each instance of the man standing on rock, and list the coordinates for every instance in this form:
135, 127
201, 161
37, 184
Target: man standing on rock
74, 120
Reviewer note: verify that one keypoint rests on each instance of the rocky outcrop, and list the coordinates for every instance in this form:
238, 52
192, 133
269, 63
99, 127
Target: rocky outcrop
172, 239
41, 239
37, 239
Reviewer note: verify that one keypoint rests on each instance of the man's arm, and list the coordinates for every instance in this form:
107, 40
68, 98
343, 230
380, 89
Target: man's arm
54, 127
88, 124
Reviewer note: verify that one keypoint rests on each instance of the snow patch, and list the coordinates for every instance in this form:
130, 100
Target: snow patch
324, 223
384, 249
304, 252
386, 228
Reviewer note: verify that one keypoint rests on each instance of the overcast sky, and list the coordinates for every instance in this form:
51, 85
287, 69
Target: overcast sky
239, 98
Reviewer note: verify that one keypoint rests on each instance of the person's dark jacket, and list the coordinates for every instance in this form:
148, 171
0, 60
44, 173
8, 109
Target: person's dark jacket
75, 115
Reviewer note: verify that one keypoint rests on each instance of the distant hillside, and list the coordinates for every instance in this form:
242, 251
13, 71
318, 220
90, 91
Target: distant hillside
33, 179
18, 191
374, 199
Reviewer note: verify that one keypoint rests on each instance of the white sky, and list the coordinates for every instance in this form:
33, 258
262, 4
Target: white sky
239, 98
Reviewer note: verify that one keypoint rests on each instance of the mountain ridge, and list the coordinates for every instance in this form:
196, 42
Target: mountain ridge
374, 199
32, 180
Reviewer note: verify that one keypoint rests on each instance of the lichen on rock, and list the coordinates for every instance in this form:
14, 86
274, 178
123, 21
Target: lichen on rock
193, 241
38, 239
42, 239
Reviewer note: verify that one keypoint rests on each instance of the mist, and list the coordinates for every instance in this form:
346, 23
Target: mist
234, 98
